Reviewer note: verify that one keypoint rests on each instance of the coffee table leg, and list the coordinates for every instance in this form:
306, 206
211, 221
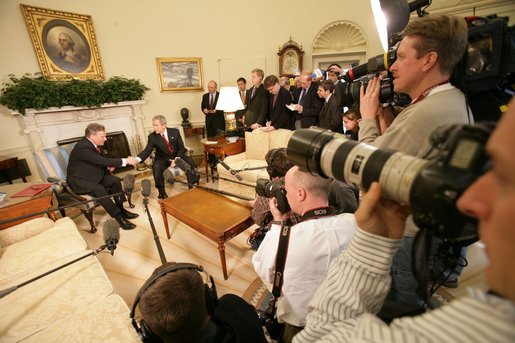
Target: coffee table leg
221, 249
165, 221
206, 162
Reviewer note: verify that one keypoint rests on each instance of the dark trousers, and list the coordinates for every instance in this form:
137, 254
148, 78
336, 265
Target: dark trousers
159, 166
109, 185
289, 332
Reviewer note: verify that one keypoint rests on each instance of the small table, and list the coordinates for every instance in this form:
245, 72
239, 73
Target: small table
20, 206
222, 148
8, 163
195, 130
214, 216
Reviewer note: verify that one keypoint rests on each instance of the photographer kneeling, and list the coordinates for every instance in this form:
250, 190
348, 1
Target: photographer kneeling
313, 243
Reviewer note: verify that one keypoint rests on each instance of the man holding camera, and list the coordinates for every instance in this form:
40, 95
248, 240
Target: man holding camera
313, 243
358, 280
429, 51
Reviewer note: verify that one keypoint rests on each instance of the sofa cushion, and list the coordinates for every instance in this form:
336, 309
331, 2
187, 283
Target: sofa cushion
24, 231
279, 138
54, 297
61, 240
256, 144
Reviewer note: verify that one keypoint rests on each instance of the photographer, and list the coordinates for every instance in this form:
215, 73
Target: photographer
358, 280
313, 243
429, 51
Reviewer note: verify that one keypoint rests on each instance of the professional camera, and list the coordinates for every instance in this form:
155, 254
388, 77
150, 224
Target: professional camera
350, 91
270, 189
430, 187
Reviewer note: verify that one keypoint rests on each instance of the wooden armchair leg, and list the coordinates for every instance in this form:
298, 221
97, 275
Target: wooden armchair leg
63, 212
89, 216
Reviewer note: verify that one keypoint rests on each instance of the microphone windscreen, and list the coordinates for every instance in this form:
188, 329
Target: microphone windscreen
182, 165
128, 183
168, 176
111, 230
145, 187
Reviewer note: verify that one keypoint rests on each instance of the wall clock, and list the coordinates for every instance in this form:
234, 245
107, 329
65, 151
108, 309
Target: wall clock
290, 59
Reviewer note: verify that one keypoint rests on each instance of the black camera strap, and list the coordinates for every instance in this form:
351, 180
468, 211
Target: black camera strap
280, 261
319, 212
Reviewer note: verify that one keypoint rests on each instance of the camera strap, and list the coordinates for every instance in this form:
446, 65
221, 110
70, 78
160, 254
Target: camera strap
280, 261
319, 212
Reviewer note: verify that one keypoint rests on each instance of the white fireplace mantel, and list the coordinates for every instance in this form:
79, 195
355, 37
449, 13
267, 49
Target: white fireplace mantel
43, 128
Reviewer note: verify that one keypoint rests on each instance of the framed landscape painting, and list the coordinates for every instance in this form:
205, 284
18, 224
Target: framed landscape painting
180, 74
64, 42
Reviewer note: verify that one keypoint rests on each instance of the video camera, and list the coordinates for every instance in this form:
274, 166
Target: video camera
430, 187
271, 189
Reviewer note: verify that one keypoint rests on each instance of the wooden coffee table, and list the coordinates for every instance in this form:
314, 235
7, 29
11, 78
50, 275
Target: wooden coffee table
214, 216
20, 206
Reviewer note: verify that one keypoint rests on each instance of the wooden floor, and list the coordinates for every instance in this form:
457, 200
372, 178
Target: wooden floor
136, 255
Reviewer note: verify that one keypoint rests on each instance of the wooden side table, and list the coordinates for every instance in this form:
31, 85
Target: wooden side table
8, 163
195, 130
221, 148
20, 206
214, 216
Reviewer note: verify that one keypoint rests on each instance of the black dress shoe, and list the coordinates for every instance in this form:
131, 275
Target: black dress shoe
162, 195
124, 223
129, 215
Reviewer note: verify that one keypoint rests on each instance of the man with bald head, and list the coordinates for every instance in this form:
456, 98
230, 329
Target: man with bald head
308, 104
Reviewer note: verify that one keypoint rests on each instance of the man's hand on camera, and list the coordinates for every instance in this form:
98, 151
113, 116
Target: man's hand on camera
369, 100
278, 216
380, 216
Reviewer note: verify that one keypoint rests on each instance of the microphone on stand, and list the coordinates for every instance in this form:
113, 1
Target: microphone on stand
168, 176
111, 234
145, 191
111, 238
233, 172
128, 187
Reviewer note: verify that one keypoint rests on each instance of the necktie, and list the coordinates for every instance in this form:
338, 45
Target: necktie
253, 92
301, 97
243, 97
98, 150
211, 102
275, 98
167, 143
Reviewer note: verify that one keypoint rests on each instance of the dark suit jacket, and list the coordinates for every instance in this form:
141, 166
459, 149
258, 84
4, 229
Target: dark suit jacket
257, 107
312, 105
205, 102
280, 116
86, 167
155, 141
330, 117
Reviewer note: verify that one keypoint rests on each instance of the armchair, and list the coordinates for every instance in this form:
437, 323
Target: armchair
52, 162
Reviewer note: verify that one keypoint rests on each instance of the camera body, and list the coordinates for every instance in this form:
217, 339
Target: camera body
430, 187
350, 90
271, 189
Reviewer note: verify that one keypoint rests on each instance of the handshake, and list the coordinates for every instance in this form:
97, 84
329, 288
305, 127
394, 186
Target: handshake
132, 160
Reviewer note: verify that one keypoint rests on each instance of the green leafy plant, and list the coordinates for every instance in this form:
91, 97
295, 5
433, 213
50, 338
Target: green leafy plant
39, 93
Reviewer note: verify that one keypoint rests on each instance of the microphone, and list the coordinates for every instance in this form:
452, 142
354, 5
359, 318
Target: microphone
128, 187
182, 165
235, 173
145, 187
111, 233
168, 176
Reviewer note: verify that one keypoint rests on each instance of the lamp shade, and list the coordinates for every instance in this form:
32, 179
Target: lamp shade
229, 100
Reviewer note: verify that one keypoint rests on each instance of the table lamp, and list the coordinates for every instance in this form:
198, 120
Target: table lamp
229, 101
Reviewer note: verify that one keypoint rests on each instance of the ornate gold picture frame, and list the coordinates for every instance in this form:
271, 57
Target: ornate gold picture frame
65, 43
180, 74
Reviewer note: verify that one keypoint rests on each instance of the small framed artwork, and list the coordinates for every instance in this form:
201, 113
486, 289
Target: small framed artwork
65, 43
180, 74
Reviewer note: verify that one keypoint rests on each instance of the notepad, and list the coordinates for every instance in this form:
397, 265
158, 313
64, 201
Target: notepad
32, 190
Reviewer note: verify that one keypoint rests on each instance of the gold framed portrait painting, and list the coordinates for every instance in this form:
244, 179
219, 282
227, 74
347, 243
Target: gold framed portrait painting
180, 74
65, 43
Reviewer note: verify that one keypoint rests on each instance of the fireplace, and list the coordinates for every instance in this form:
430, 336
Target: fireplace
115, 146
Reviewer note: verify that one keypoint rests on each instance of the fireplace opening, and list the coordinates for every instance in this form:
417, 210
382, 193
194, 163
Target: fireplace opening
116, 146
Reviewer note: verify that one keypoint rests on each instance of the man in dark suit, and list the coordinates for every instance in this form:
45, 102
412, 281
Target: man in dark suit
168, 145
214, 119
330, 116
279, 116
89, 172
257, 101
308, 104
242, 90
